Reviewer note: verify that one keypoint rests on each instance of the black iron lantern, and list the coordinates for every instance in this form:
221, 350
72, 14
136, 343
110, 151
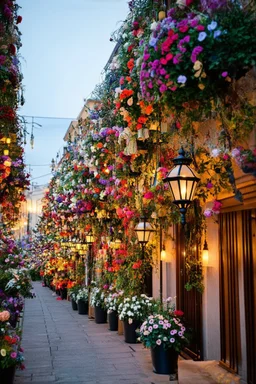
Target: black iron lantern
144, 231
182, 181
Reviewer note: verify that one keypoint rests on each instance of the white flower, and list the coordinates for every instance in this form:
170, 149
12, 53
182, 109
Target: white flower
215, 152
153, 26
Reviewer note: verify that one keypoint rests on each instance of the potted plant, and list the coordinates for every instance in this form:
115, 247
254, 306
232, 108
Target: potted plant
111, 303
10, 351
165, 333
97, 300
82, 301
133, 310
73, 291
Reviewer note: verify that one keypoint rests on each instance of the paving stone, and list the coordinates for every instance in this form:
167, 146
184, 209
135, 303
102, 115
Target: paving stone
64, 347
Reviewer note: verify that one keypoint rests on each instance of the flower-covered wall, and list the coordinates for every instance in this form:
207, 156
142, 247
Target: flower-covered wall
13, 177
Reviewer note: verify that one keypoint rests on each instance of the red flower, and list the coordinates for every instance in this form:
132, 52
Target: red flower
137, 265
178, 312
12, 49
19, 20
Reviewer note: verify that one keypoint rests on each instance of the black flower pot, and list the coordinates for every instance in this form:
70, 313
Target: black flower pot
13, 319
113, 321
130, 335
7, 375
74, 305
82, 307
165, 362
100, 315
63, 293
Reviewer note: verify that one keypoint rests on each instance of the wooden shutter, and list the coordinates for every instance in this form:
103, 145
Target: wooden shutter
230, 251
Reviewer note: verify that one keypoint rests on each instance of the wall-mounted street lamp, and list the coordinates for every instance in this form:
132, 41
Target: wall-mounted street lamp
89, 239
205, 254
182, 182
144, 231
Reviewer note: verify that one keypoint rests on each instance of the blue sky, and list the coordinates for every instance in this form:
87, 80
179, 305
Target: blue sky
65, 45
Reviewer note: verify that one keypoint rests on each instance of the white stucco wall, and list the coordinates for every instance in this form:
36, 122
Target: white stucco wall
211, 302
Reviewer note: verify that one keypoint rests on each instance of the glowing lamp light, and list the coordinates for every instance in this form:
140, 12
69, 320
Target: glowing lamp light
144, 231
163, 254
205, 254
182, 182
89, 239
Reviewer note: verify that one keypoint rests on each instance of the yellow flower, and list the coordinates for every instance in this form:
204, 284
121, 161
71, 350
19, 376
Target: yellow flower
3, 352
203, 75
201, 86
130, 101
198, 65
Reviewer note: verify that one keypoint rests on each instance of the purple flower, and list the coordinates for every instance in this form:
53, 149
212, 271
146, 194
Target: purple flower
212, 26
177, 59
202, 36
224, 74
2, 59
152, 42
163, 88
216, 34
182, 79
196, 51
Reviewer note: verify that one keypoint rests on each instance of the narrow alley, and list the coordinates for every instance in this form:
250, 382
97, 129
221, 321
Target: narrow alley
64, 347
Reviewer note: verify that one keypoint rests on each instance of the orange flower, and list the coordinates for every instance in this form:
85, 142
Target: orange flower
99, 145
126, 93
148, 109
130, 64
129, 79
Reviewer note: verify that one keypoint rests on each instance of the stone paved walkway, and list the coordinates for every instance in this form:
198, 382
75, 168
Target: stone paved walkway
64, 347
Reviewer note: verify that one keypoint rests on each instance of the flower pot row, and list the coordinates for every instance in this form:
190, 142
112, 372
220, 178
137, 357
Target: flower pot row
100, 314
163, 361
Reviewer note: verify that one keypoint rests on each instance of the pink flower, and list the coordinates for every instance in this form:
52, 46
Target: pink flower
224, 74
13, 355
163, 61
200, 28
169, 56
158, 342
216, 206
226, 156
209, 185
148, 195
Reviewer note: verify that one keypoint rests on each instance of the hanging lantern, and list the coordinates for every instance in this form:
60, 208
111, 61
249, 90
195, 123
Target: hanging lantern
182, 181
89, 239
144, 231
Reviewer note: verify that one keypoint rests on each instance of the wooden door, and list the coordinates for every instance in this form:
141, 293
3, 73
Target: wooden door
190, 302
